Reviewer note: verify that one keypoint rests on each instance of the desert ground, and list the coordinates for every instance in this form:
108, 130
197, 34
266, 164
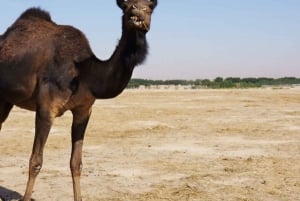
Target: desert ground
167, 145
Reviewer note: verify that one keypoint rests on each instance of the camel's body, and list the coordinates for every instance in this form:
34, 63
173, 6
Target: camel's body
50, 68
36, 52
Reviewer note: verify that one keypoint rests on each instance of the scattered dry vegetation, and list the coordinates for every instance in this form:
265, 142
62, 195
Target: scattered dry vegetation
172, 145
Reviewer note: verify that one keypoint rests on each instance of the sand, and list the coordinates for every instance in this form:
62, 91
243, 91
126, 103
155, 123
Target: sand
167, 145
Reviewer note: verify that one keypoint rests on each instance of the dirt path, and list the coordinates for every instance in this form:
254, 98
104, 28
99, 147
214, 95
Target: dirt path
180, 145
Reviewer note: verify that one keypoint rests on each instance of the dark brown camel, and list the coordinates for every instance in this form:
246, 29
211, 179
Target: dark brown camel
50, 68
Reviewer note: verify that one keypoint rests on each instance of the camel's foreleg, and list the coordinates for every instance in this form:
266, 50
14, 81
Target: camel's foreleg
43, 124
80, 121
48, 102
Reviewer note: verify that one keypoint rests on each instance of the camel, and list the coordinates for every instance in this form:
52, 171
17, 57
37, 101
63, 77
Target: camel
50, 68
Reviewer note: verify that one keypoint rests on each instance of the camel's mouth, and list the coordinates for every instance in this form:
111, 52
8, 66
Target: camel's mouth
139, 23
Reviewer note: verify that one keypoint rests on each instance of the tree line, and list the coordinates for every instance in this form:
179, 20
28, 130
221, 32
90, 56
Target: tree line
218, 82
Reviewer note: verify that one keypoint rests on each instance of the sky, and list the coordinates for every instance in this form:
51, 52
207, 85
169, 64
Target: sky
190, 39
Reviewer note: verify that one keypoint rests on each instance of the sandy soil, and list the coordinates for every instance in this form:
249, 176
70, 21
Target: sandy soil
180, 145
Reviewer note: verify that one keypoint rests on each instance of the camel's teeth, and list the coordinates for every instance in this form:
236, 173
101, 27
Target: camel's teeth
134, 18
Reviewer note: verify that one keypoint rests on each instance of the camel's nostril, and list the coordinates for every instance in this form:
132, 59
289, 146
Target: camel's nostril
139, 14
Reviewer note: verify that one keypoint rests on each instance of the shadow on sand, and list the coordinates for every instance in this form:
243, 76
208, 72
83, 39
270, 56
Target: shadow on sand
9, 195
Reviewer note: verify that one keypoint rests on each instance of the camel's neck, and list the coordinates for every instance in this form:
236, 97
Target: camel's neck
109, 78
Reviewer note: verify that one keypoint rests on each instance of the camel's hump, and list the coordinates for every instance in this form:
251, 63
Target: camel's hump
35, 13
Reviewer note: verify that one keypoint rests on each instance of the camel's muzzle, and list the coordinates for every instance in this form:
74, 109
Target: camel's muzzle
140, 18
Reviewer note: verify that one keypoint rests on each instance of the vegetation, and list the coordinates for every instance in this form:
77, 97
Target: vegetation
219, 82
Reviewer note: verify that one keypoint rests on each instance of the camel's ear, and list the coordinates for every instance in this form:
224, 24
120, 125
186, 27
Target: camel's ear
154, 3
120, 3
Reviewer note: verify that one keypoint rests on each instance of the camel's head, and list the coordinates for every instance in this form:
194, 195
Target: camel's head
137, 13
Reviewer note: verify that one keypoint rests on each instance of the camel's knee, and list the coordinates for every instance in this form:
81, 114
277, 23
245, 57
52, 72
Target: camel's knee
36, 169
76, 168
35, 166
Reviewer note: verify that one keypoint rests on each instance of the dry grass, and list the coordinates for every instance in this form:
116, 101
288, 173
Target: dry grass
208, 145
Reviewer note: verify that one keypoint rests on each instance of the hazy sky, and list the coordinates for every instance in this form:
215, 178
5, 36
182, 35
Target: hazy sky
190, 39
